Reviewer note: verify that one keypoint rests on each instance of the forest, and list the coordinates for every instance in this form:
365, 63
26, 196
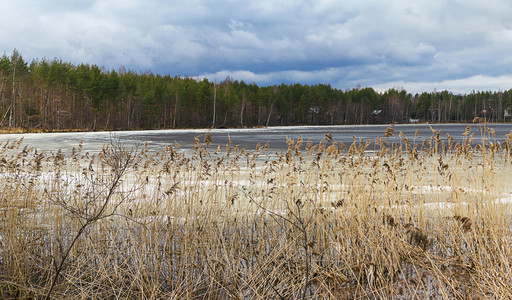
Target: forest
53, 95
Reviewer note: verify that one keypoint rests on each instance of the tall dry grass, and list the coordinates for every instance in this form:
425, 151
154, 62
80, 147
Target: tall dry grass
409, 220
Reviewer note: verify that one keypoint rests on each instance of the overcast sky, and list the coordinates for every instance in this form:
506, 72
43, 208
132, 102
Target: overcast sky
419, 45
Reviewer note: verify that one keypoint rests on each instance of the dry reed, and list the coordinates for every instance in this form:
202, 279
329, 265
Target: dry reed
410, 220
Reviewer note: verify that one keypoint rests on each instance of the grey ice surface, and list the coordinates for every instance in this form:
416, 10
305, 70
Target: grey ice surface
246, 138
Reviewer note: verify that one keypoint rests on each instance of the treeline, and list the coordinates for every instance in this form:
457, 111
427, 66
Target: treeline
55, 95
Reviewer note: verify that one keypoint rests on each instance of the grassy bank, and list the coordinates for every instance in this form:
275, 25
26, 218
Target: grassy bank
414, 219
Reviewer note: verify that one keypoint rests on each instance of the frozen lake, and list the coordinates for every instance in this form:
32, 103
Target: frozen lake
247, 138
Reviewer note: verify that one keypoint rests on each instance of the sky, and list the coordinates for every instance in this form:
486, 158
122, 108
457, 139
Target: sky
421, 45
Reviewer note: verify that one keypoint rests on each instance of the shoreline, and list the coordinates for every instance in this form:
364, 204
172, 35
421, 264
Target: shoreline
202, 129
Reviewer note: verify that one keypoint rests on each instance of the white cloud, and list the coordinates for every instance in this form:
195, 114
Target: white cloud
369, 42
270, 78
457, 86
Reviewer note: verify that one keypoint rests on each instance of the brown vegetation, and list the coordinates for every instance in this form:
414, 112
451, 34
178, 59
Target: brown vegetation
318, 221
